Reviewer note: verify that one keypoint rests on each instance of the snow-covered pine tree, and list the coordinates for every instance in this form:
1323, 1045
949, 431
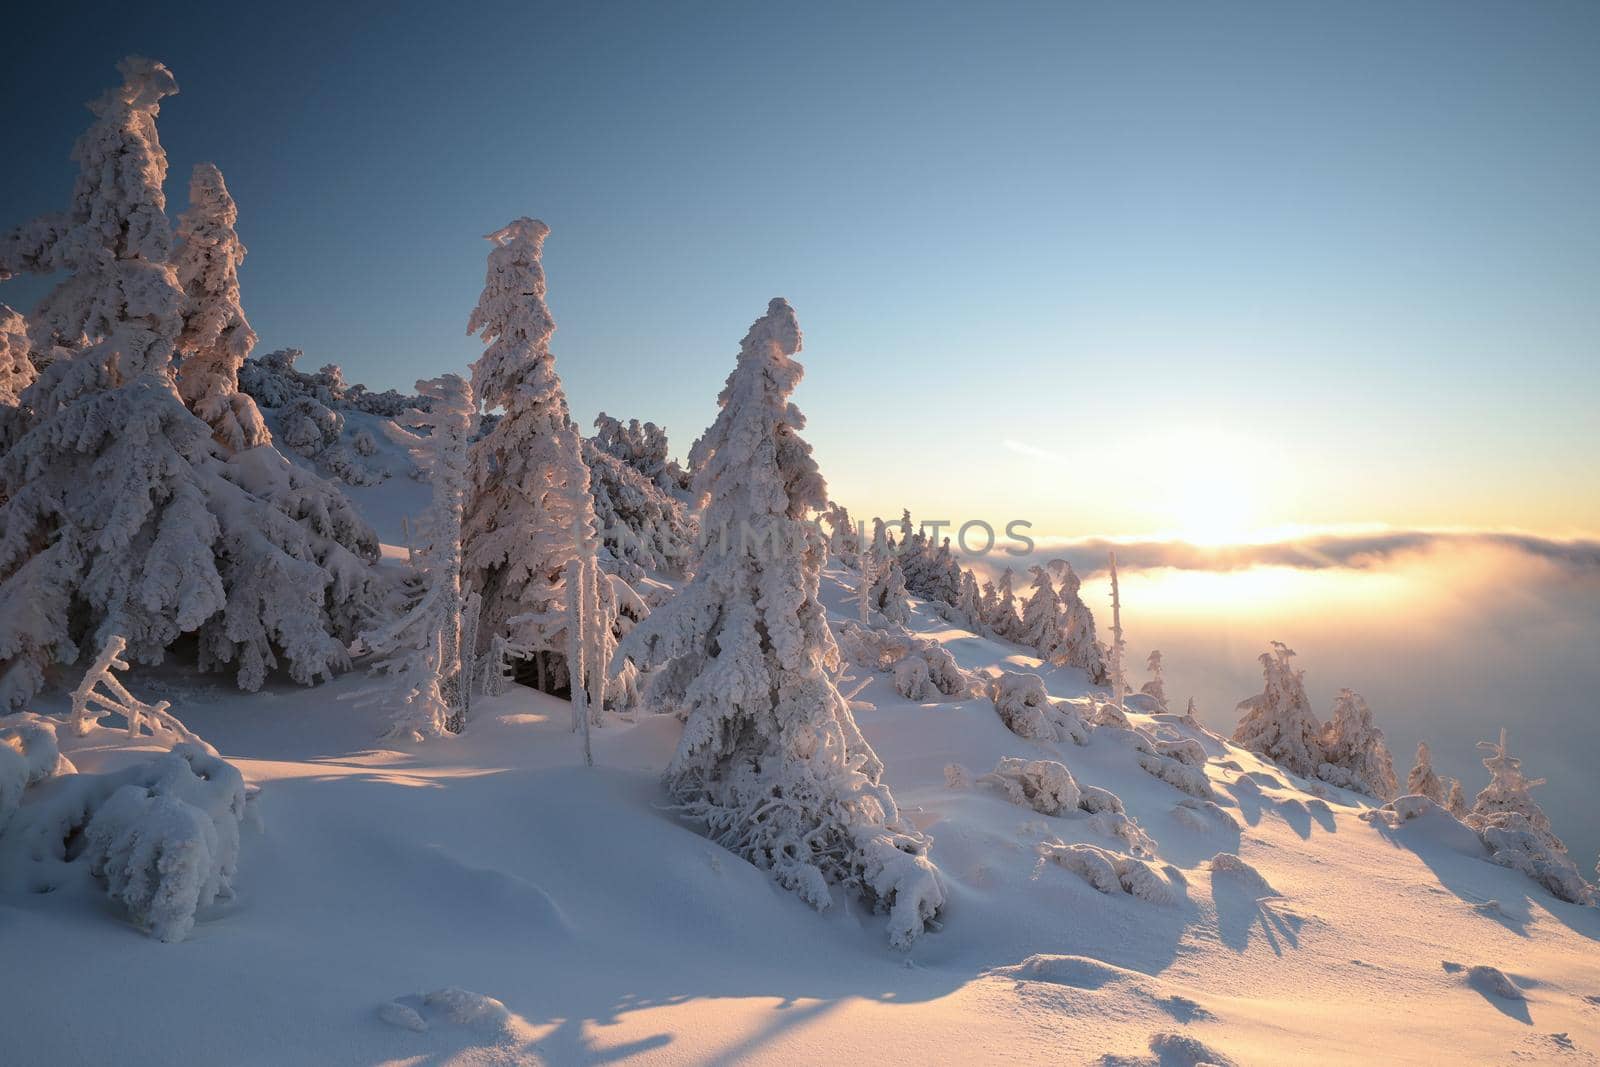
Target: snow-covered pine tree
1079, 649
1422, 781
644, 448
1517, 832
422, 646
523, 505
1456, 799
1003, 620
1041, 627
119, 516
1278, 722
945, 585
644, 527
886, 595
216, 337
844, 540
771, 760
1354, 754
1157, 685
1510, 792
969, 602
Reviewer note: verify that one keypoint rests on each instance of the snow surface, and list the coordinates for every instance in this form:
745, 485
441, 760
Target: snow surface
489, 899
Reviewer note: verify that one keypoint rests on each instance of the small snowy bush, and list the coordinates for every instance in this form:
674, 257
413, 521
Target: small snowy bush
1043, 785
1025, 707
161, 837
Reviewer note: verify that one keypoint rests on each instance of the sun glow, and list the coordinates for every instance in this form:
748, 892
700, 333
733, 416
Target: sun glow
1212, 497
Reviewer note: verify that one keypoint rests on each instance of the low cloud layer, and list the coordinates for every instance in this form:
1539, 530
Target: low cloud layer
1361, 551
1450, 636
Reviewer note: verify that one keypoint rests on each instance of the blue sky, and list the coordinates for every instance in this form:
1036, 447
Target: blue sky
1118, 269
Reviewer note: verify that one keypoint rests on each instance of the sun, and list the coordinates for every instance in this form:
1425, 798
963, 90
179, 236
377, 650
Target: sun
1213, 507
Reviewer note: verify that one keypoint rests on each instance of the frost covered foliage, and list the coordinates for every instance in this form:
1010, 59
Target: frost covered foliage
1516, 830
643, 527
422, 648
120, 515
529, 489
771, 759
1078, 647
1025, 707
16, 367
161, 837
643, 447
1353, 751
1278, 722
1423, 781
216, 337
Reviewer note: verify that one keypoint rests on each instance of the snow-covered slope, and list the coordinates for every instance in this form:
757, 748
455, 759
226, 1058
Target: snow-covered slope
488, 899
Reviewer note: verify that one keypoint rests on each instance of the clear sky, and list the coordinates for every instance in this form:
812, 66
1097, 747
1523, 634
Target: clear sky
1113, 268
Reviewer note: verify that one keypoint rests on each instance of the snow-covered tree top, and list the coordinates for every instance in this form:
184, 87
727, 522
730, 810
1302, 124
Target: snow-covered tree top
753, 451
207, 260
513, 320
117, 201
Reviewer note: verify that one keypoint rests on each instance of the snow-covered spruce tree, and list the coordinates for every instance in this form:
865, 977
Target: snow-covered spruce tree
1278, 722
969, 603
1353, 751
1422, 781
771, 760
523, 504
944, 575
1510, 791
216, 337
844, 539
1041, 626
1517, 832
1156, 687
883, 581
1456, 799
644, 448
644, 527
1002, 620
119, 516
422, 648
1079, 647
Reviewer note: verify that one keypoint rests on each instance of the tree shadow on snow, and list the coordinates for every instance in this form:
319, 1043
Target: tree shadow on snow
1458, 859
